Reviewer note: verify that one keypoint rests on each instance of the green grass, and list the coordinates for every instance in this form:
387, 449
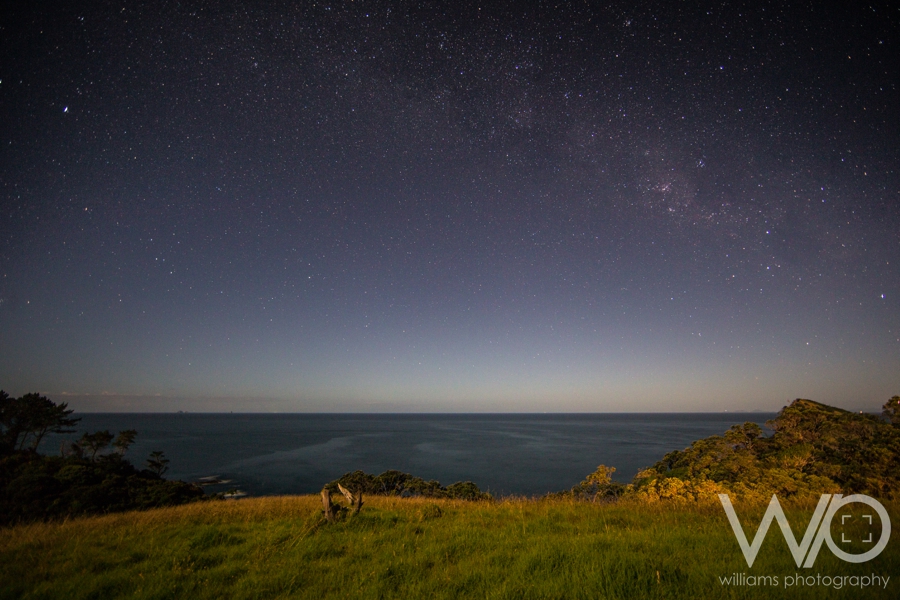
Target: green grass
410, 548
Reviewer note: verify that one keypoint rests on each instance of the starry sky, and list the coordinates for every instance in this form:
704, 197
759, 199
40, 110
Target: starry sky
453, 207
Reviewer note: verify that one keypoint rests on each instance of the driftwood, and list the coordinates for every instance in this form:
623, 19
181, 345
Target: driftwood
355, 501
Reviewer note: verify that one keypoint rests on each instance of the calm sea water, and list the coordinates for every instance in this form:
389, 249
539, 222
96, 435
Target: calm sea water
523, 454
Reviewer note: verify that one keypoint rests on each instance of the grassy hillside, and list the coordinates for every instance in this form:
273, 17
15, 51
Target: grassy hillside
665, 536
414, 548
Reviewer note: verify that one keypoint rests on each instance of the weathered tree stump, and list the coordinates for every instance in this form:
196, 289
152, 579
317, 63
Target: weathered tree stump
355, 501
330, 509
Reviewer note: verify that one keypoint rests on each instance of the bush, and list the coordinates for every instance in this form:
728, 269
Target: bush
814, 449
397, 483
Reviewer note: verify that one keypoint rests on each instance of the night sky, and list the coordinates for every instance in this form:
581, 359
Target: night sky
399, 206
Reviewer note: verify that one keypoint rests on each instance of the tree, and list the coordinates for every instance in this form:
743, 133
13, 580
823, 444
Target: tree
892, 410
744, 437
9, 425
466, 490
124, 440
95, 442
598, 486
30, 418
92, 444
158, 462
46, 417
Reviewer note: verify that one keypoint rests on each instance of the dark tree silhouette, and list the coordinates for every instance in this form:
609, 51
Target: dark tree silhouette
891, 410
124, 441
94, 443
158, 462
26, 420
90, 476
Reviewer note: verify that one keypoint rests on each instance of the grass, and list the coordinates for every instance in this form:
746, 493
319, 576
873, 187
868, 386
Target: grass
276, 547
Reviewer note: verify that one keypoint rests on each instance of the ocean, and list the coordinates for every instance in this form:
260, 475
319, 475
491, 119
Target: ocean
506, 454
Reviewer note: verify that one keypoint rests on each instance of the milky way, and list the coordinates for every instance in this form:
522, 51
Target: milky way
426, 207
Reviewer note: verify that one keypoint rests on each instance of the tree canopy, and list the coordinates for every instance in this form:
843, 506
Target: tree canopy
24, 421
